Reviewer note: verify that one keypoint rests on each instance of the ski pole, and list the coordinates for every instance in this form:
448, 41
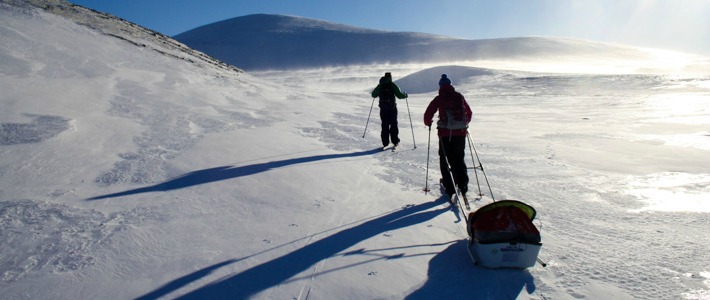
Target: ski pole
368, 117
410, 122
542, 263
442, 146
475, 168
473, 146
426, 178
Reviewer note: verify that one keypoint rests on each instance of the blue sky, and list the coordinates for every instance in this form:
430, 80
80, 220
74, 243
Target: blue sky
682, 25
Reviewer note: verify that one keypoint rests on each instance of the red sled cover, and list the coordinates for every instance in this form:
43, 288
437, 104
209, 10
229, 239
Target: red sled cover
504, 221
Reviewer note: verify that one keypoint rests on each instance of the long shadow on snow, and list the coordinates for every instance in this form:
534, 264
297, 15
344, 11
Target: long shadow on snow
452, 275
185, 280
228, 172
279, 270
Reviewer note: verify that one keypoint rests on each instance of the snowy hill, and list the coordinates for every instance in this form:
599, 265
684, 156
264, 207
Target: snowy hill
122, 29
132, 167
262, 42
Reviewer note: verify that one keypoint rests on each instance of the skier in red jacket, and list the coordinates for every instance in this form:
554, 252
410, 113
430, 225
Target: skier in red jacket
452, 129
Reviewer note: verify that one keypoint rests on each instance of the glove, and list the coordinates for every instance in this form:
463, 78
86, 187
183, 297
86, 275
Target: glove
406, 95
427, 123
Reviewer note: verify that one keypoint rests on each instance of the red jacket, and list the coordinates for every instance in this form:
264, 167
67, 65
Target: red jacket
448, 97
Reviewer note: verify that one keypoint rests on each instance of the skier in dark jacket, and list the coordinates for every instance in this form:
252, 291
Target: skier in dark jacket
387, 91
452, 129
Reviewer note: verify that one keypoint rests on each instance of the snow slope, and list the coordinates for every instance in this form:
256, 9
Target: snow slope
134, 171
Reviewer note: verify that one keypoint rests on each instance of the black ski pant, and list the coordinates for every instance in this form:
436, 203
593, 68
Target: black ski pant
453, 148
390, 131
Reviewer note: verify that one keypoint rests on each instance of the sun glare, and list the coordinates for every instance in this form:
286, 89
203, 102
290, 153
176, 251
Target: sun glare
672, 192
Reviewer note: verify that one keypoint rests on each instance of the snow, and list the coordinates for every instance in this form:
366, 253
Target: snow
153, 172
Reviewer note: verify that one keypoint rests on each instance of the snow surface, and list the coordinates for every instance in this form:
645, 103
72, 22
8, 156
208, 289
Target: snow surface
133, 172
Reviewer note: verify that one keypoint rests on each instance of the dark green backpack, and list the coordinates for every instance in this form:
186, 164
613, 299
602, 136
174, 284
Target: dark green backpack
386, 94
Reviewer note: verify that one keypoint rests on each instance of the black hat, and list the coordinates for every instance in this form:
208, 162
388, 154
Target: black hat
444, 80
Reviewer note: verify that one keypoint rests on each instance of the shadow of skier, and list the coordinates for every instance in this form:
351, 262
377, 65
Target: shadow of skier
279, 270
452, 275
185, 280
228, 172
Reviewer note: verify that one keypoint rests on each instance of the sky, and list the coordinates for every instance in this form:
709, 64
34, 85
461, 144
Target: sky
675, 25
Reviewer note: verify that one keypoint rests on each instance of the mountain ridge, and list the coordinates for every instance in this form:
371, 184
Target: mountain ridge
264, 41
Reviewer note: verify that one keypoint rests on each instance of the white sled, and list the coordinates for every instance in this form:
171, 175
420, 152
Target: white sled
502, 235
504, 255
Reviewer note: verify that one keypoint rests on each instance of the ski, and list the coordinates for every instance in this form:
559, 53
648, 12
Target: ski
443, 192
454, 197
392, 148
